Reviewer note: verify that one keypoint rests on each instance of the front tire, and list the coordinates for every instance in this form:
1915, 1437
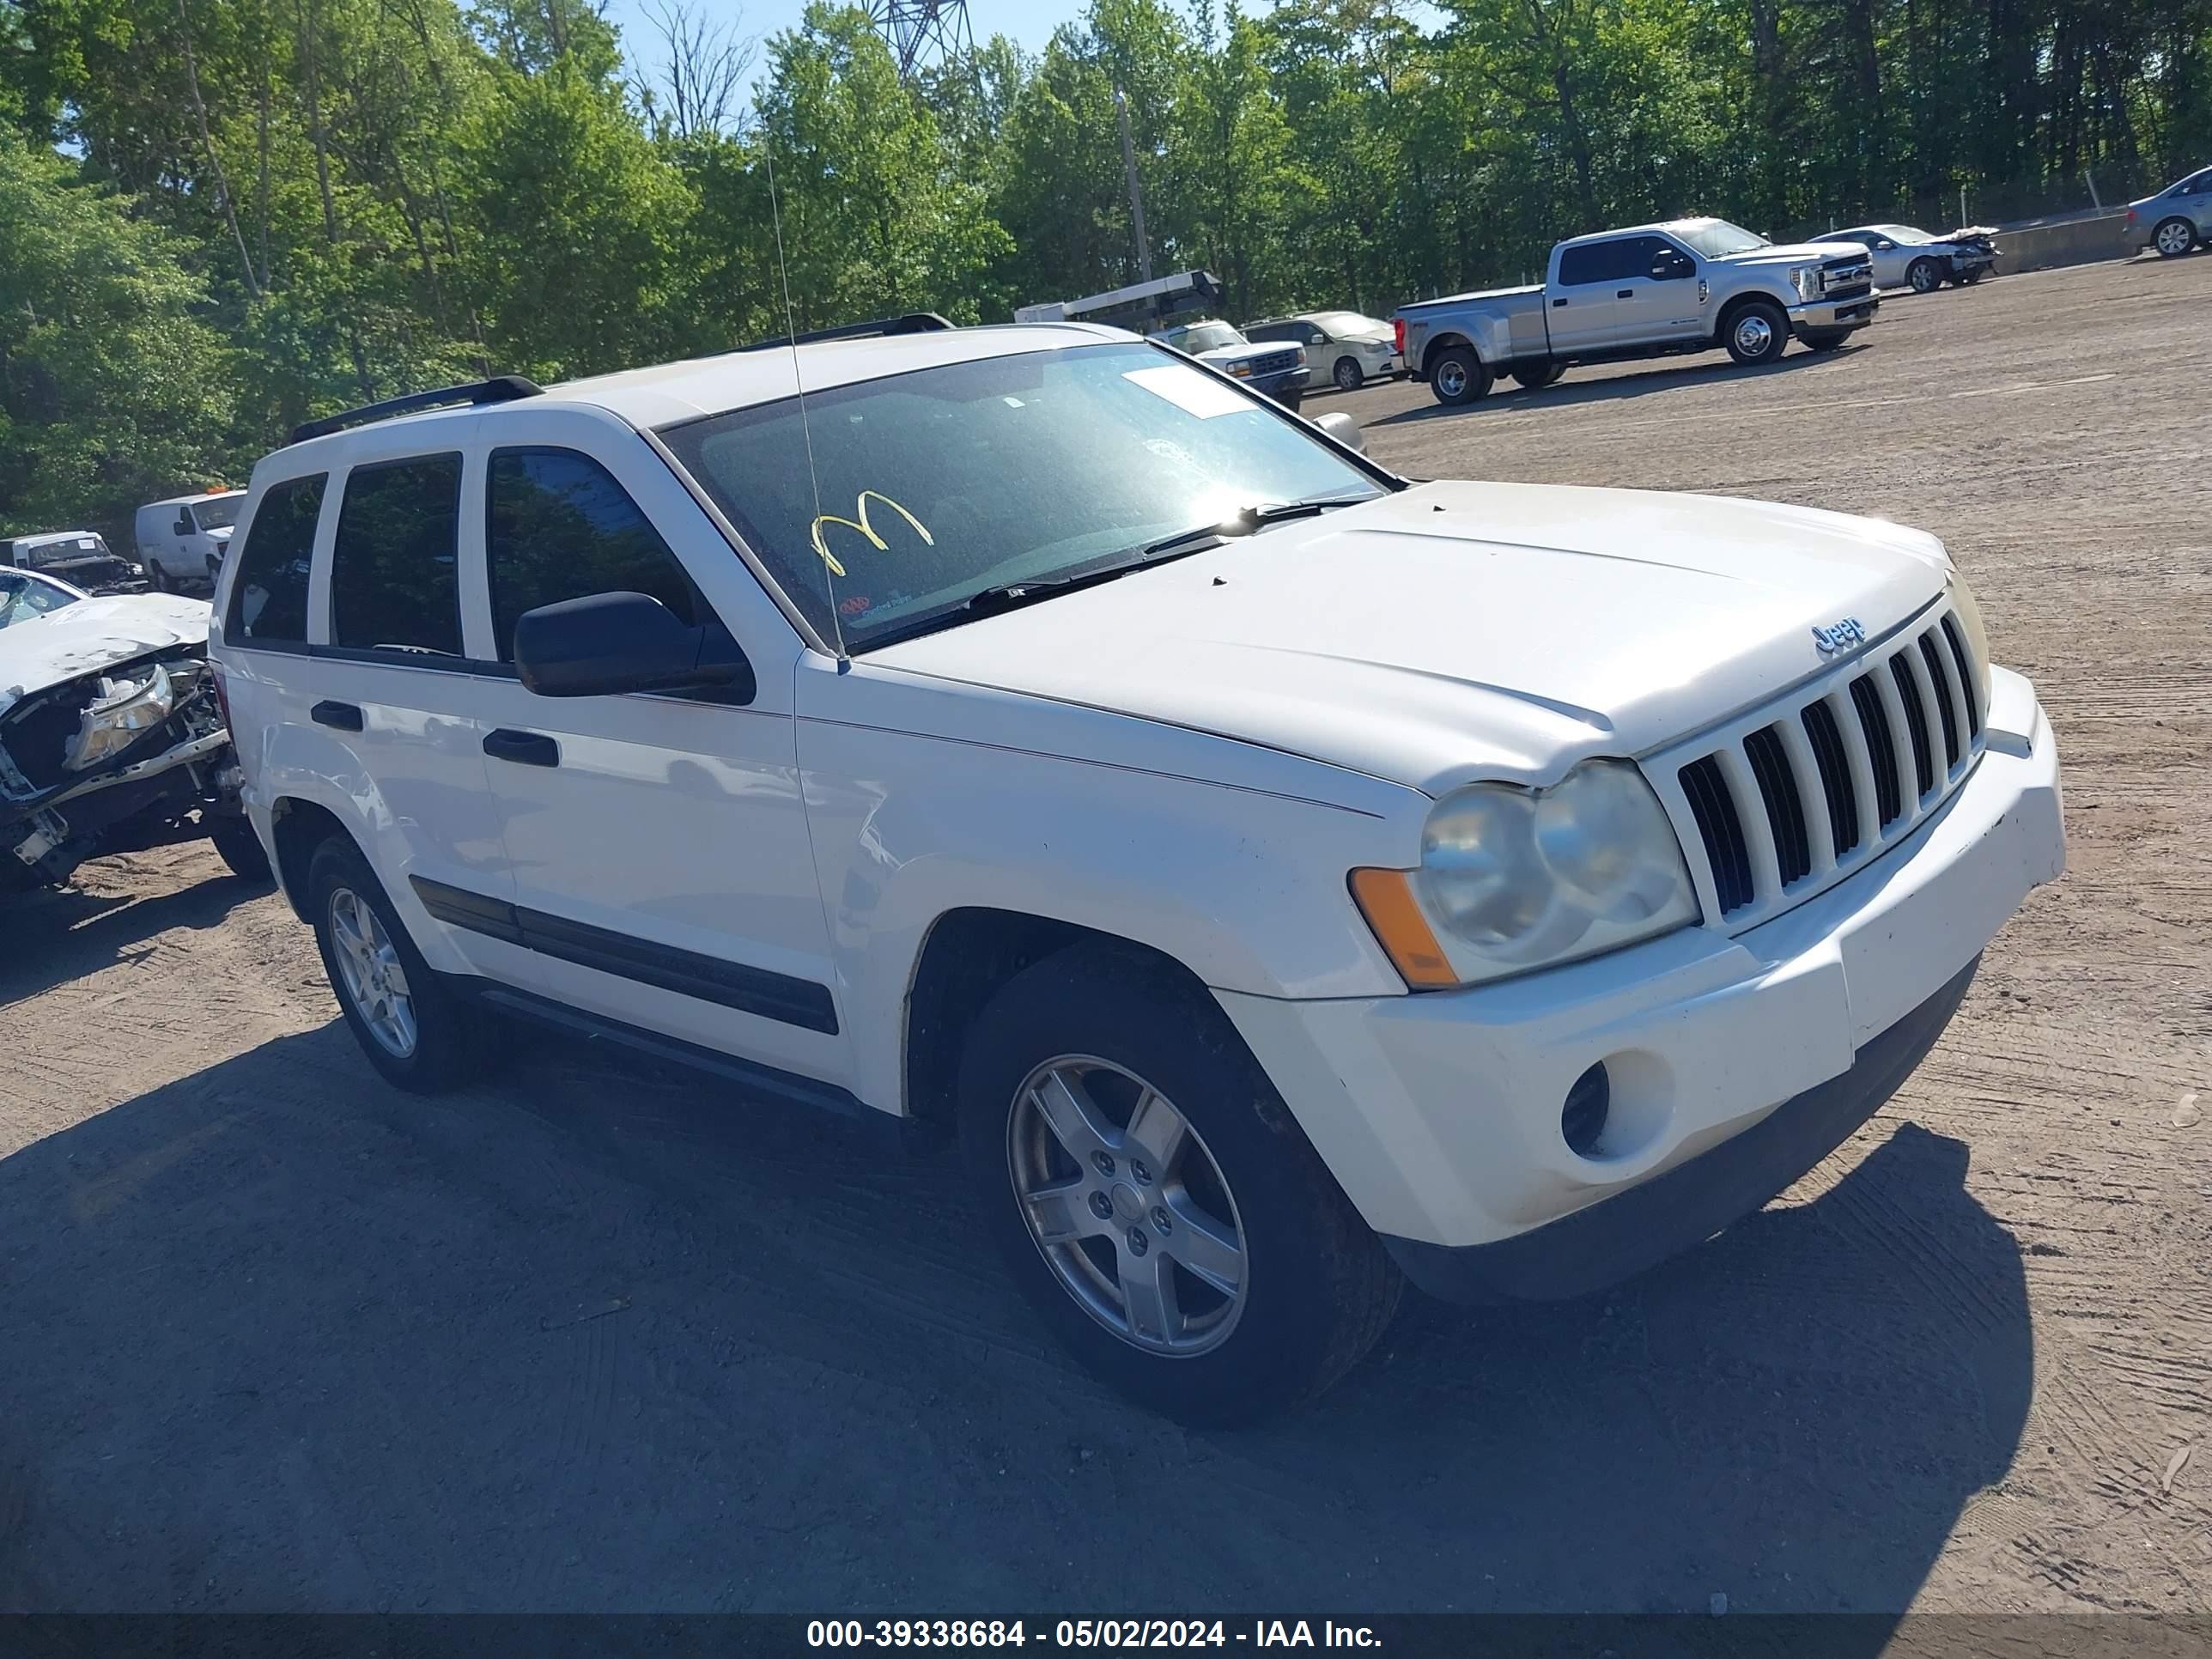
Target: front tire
1826, 339
214, 571
1153, 1197
1347, 374
1458, 377
2173, 238
416, 1029
158, 574
1924, 275
1756, 334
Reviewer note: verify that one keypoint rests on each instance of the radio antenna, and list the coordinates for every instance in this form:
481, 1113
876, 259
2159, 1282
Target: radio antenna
791, 333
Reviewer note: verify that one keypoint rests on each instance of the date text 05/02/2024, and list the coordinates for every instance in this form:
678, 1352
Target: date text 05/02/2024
1085, 1633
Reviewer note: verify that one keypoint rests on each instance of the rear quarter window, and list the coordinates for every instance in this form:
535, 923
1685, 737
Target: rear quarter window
269, 595
395, 564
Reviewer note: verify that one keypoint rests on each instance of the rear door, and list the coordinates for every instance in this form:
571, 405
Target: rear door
662, 874
1579, 302
396, 695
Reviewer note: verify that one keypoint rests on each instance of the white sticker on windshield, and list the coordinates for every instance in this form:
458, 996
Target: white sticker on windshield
1187, 389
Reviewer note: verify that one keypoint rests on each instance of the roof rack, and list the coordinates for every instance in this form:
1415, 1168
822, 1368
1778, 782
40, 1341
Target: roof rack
914, 322
500, 389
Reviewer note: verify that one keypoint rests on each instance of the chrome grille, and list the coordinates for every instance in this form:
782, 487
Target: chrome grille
1846, 279
1280, 362
1781, 803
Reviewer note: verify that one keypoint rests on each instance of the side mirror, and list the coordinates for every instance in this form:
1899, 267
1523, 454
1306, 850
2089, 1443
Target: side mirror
1342, 428
606, 644
1882, 245
182, 526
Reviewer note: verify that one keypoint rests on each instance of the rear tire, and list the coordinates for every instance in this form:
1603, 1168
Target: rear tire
237, 845
1756, 334
1538, 377
416, 1029
1347, 374
2173, 238
1924, 275
1099, 1032
1458, 377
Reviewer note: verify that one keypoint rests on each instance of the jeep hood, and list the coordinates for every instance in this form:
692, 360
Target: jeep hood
1457, 631
93, 635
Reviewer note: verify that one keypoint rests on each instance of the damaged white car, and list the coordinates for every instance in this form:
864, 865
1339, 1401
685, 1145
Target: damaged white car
112, 732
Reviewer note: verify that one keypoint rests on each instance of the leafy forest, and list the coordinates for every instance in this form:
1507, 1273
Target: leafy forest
219, 217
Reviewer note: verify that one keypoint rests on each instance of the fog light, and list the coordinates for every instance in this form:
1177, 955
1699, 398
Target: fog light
1582, 1120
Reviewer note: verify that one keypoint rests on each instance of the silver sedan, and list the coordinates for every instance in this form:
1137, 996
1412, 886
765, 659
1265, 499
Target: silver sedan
1905, 257
2176, 220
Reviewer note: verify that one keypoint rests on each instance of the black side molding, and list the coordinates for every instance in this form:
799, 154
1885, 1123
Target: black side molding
769, 1080
780, 997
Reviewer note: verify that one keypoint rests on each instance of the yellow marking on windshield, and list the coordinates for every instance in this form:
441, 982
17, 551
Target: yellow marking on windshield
861, 524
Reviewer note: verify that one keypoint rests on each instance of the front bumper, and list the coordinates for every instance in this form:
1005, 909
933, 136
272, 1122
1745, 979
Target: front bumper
1290, 383
1856, 313
1440, 1113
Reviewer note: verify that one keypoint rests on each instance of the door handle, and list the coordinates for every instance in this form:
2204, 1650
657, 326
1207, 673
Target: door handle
345, 716
1624, 293
1556, 304
523, 748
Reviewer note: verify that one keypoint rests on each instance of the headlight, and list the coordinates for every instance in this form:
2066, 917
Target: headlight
1241, 371
114, 720
1514, 878
1970, 621
1806, 279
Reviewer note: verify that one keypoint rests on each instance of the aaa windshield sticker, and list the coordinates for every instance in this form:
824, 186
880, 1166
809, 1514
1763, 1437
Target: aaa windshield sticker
1189, 391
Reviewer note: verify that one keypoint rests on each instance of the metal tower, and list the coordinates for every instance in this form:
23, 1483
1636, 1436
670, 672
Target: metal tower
922, 33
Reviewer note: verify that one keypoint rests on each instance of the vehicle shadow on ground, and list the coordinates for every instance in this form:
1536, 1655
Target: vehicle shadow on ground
54, 935
597, 1337
1508, 398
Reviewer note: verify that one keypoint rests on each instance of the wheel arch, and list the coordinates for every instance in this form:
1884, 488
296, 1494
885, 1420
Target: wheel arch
299, 826
967, 956
1438, 345
1734, 306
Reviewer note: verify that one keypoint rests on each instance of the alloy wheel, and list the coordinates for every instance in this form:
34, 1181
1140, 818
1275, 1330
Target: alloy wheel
375, 981
1127, 1206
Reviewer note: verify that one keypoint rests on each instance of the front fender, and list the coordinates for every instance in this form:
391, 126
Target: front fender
1244, 887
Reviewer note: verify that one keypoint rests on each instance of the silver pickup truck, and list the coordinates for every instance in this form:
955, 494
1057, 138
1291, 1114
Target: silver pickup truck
1647, 291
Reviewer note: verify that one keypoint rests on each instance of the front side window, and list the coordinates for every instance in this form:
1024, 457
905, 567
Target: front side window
394, 581
269, 596
558, 527
937, 484
25, 599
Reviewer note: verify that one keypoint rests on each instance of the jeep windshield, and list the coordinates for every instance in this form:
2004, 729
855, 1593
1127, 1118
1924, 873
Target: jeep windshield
1716, 239
1000, 472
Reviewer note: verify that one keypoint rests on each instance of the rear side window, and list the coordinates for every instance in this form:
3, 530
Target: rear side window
394, 585
269, 595
1592, 262
558, 527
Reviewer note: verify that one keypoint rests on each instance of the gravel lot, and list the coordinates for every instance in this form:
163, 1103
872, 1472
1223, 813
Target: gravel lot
274, 1336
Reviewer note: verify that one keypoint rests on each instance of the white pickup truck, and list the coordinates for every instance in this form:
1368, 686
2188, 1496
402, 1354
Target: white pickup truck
1647, 291
1288, 879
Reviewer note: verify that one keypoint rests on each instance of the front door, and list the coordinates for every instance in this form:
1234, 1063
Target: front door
663, 875
1654, 294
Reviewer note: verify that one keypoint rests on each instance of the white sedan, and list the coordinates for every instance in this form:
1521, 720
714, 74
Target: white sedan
1905, 256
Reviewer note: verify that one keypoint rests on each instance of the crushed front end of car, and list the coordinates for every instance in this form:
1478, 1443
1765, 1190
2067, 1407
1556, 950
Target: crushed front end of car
109, 761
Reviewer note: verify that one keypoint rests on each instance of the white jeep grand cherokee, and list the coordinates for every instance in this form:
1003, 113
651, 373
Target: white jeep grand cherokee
1285, 877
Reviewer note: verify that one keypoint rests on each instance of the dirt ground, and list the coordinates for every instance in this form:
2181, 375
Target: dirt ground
274, 1336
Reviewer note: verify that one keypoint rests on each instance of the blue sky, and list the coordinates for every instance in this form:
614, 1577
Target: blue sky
1028, 22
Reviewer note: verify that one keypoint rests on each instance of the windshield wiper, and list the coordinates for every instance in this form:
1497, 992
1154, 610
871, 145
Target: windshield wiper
1008, 596
1247, 520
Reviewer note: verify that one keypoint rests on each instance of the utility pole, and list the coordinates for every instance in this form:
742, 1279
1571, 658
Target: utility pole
1136, 196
